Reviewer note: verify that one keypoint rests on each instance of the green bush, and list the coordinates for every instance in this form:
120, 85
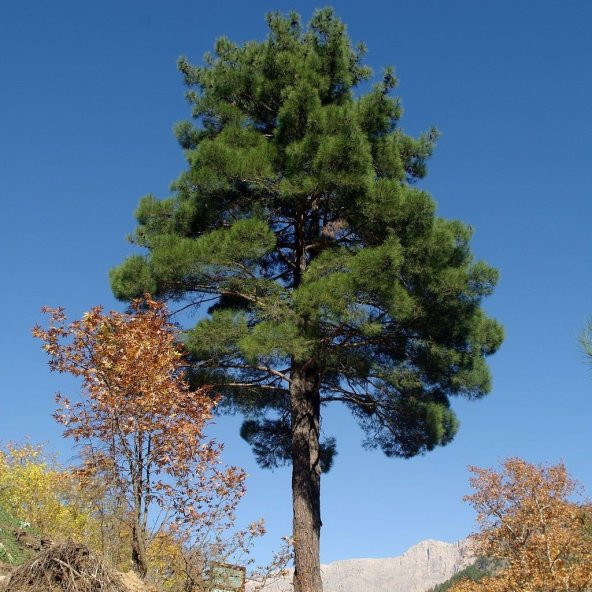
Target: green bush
475, 572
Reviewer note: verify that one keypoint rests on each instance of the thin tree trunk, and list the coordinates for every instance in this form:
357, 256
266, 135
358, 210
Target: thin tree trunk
139, 559
306, 478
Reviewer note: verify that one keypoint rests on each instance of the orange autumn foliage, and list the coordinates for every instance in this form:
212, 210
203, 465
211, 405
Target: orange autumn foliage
531, 524
141, 426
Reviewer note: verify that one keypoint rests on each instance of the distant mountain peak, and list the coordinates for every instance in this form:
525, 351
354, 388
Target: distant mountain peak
421, 567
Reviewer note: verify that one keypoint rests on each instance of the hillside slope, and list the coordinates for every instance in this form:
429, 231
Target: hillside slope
475, 572
11, 550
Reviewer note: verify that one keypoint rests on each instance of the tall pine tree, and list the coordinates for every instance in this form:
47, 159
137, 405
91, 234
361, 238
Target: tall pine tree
329, 275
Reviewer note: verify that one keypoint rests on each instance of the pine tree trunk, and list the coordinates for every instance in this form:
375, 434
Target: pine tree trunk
306, 478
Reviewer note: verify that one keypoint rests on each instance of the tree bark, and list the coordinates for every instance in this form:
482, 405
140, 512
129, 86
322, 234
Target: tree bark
306, 477
139, 559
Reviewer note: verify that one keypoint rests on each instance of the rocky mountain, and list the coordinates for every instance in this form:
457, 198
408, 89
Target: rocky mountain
420, 568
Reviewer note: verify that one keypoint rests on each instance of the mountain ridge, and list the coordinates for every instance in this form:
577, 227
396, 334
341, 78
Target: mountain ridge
420, 568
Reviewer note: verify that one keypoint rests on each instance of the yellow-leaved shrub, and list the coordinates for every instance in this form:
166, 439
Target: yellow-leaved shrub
34, 489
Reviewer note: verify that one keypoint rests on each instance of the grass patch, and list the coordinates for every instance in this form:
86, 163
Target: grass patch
10, 550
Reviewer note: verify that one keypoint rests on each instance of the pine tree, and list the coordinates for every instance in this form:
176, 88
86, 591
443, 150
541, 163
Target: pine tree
330, 277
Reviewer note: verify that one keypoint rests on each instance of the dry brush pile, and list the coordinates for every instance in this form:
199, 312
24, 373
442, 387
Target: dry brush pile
69, 567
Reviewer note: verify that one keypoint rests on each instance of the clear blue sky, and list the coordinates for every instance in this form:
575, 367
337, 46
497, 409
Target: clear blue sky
89, 93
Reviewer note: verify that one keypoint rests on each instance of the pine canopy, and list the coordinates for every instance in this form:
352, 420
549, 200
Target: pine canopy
300, 221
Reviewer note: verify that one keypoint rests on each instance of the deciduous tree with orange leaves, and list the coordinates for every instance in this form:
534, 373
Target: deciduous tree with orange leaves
532, 520
141, 425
